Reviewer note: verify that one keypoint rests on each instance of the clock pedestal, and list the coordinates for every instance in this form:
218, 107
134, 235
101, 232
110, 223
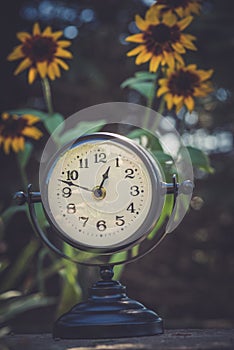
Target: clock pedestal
108, 313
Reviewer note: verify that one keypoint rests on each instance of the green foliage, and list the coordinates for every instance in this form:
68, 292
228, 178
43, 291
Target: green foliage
13, 302
143, 82
71, 291
53, 121
200, 160
19, 268
25, 155
81, 129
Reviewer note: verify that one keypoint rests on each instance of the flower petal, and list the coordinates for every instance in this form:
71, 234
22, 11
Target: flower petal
31, 119
143, 57
136, 38
135, 51
187, 43
64, 43
162, 90
57, 35
141, 23
32, 74
36, 29
23, 36
154, 63
152, 16
7, 144
56, 69
204, 75
169, 19
23, 65
47, 31
32, 132
189, 102
42, 68
16, 54
169, 101
51, 72
178, 47
63, 53
185, 22
61, 63
169, 59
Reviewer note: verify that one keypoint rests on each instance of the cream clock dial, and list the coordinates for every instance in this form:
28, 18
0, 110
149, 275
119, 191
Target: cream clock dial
100, 192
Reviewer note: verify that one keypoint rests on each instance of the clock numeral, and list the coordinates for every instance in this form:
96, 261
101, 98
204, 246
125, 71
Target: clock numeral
66, 192
134, 191
117, 162
71, 208
100, 158
119, 220
129, 173
84, 219
131, 208
72, 175
101, 225
83, 163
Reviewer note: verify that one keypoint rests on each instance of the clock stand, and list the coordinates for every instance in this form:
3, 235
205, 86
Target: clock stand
108, 312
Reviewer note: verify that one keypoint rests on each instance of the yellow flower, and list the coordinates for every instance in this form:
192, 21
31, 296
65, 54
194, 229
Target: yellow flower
41, 53
14, 129
182, 8
161, 41
182, 85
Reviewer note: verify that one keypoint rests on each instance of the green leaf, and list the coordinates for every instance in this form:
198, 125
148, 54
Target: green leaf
152, 141
143, 82
21, 264
53, 121
121, 256
24, 155
166, 212
200, 160
81, 129
32, 111
163, 157
144, 88
18, 305
145, 75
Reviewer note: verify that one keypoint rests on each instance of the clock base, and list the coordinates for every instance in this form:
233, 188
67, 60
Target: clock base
108, 313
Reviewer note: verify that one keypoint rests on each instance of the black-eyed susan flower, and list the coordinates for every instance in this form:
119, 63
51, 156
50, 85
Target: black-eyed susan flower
181, 86
182, 8
41, 53
161, 41
14, 129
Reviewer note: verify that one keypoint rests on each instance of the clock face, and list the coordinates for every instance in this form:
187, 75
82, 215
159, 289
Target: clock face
100, 193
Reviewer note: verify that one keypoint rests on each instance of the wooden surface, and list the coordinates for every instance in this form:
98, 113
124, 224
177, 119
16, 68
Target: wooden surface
188, 339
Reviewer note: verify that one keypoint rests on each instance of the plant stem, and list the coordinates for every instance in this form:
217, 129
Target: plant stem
149, 103
47, 95
160, 111
23, 175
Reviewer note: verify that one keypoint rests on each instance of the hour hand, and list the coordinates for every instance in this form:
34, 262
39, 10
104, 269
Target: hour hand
70, 183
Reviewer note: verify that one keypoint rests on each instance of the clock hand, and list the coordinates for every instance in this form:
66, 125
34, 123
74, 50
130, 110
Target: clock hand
70, 183
104, 177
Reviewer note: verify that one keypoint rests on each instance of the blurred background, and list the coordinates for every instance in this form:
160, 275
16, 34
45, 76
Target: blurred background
189, 278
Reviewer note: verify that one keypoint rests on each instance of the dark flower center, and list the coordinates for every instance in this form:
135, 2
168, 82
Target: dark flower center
158, 38
39, 48
183, 83
11, 127
172, 4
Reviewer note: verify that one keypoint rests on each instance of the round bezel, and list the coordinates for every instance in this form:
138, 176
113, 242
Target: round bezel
156, 202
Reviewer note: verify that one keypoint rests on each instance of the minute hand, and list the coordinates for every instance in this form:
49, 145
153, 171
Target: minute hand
104, 177
70, 183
